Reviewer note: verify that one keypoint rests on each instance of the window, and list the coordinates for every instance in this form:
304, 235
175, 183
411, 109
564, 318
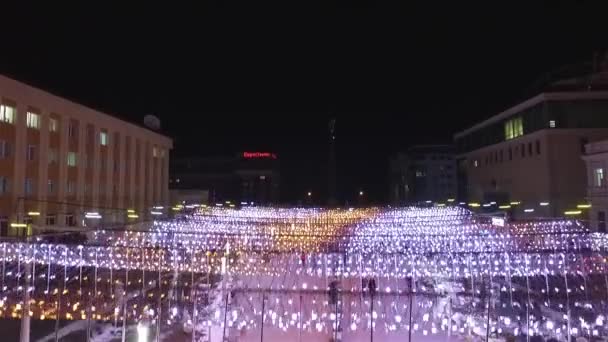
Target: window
52, 125
29, 186
510, 154
155, 152
103, 138
500, 156
419, 174
52, 155
476, 163
529, 148
71, 188
31, 152
551, 123
71, 158
5, 149
3, 225
51, 219
598, 176
3, 185
69, 220
583, 142
33, 120
7, 114
601, 221
523, 150
537, 147
514, 128
72, 129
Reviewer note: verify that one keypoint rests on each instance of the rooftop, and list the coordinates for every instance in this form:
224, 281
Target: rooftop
31, 91
543, 97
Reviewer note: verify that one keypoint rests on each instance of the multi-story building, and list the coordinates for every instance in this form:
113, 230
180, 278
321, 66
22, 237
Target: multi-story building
530, 154
60, 160
423, 173
596, 159
247, 177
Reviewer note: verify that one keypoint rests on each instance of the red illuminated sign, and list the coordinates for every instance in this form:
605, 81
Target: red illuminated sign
254, 155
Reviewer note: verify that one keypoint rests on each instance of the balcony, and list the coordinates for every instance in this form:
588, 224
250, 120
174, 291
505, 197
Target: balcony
597, 147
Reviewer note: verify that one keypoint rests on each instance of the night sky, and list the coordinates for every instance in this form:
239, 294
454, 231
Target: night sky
226, 77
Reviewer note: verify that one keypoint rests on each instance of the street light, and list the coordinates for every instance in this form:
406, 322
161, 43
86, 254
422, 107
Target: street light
309, 194
361, 193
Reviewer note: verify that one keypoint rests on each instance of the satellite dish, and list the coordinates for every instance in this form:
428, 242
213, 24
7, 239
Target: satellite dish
152, 122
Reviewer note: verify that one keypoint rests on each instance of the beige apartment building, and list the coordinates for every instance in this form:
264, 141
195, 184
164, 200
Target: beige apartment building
63, 164
596, 159
528, 159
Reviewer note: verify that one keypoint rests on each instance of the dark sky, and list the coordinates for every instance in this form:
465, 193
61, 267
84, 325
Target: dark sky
226, 77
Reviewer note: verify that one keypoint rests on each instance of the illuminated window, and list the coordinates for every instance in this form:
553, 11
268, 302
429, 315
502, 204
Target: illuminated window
50, 186
154, 152
476, 163
7, 114
103, 138
419, 174
551, 123
71, 158
598, 176
514, 128
33, 120
53, 125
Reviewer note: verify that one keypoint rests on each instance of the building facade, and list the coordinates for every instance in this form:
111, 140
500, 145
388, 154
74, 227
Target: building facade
423, 173
529, 157
247, 177
596, 160
60, 160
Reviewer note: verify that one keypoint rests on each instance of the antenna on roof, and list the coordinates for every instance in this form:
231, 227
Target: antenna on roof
152, 122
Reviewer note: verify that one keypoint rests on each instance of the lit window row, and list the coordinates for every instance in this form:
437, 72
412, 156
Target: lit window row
514, 128
598, 176
33, 120
7, 114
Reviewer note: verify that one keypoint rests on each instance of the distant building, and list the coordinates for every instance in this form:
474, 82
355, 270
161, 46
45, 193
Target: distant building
247, 177
423, 173
596, 159
530, 154
64, 164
